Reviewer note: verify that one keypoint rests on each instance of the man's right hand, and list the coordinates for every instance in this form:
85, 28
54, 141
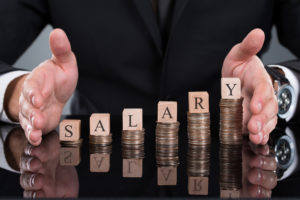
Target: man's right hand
47, 88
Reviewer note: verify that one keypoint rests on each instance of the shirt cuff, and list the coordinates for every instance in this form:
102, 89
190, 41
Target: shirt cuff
5, 80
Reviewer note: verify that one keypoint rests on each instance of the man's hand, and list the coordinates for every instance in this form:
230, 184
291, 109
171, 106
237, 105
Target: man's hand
47, 88
260, 104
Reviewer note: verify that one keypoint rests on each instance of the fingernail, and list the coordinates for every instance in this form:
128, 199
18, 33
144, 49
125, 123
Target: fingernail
260, 137
259, 125
28, 149
32, 100
259, 106
34, 195
259, 175
32, 121
32, 180
266, 138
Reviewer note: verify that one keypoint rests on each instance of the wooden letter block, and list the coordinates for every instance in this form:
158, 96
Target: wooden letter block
69, 130
99, 162
133, 119
167, 111
232, 194
100, 124
132, 168
198, 102
69, 156
231, 88
167, 176
198, 185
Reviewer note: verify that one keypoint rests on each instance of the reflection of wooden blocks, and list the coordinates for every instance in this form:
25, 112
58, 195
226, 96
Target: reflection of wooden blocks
69, 130
167, 176
198, 102
99, 162
198, 185
226, 194
167, 111
231, 88
100, 124
132, 168
69, 156
133, 119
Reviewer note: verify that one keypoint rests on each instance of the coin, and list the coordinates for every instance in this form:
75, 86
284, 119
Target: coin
198, 128
133, 144
198, 160
101, 140
72, 143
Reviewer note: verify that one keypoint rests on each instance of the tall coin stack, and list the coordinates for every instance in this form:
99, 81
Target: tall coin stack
166, 133
198, 157
231, 139
231, 112
133, 135
100, 129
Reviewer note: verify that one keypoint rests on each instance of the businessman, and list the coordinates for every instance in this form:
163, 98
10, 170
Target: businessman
134, 53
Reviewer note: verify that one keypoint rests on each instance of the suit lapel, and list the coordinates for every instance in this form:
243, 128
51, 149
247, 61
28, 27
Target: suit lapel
145, 10
178, 10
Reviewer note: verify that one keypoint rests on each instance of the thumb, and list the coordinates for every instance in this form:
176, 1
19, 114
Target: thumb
60, 47
243, 51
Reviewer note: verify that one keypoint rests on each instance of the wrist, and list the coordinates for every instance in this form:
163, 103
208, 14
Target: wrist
11, 98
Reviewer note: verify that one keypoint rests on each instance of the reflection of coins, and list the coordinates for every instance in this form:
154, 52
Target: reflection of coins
198, 160
76, 143
167, 144
95, 148
231, 121
133, 144
230, 166
101, 140
198, 128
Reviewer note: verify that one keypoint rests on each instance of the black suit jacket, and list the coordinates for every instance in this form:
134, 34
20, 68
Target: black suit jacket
120, 52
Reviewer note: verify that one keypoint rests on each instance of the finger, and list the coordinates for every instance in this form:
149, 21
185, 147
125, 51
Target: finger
241, 52
263, 162
260, 149
268, 128
29, 163
32, 194
33, 115
61, 47
266, 179
31, 181
32, 92
33, 136
256, 191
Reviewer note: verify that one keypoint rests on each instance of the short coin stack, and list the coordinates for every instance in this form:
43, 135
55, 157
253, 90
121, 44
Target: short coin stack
133, 144
231, 112
100, 129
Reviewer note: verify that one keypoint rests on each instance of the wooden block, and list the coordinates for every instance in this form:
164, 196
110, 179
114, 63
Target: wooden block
99, 162
69, 130
100, 124
167, 111
167, 176
198, 185
133, 119
231, 88
69, 156
198, 102
132, 168
232, 194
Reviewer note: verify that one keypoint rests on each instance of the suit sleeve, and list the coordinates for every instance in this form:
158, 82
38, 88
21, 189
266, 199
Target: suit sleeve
20, 23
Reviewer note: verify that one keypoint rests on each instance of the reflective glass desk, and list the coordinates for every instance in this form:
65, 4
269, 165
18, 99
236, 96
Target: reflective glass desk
66, 171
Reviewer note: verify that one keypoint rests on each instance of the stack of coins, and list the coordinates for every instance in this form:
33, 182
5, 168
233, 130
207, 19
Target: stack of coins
101, 140
230, 167
76, 143
167, 144
96, 148
133, 144
198, 160
231, 121
198, 128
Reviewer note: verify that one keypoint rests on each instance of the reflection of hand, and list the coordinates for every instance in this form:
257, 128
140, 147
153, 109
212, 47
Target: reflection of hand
47, 88
259, 176
41, 173
260, 104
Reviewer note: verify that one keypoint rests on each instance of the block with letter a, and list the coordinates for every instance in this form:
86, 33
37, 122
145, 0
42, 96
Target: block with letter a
69, 130
133, 119
167, 111
198, 102
231, 88
167, 175
99, 162
100, 124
